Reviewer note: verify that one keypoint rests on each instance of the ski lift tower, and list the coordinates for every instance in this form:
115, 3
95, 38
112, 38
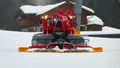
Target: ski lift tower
78, 13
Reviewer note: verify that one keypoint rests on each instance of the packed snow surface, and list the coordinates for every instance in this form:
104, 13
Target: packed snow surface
10, 58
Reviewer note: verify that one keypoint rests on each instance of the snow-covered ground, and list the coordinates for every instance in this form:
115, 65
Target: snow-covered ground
105, 30
10, 58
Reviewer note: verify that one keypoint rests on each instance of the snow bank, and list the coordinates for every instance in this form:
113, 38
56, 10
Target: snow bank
105, 30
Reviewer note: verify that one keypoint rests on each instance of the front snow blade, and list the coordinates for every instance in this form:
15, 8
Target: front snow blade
97, 49
27, 49
23, 49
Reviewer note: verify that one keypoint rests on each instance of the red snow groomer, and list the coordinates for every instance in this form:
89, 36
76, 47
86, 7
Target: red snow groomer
59, 35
